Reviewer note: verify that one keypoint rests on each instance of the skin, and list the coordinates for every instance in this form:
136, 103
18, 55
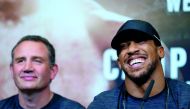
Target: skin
150, 55
32, 74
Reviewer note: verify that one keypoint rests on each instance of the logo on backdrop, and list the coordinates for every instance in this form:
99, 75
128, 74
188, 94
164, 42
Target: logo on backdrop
174, 6
177, 59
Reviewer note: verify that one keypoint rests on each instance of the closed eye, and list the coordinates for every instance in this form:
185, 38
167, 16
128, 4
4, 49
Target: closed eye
39, 61
141, 42
124, 45
19, 60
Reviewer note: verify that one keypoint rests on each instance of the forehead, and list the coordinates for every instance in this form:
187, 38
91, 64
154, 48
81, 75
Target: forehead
31, 47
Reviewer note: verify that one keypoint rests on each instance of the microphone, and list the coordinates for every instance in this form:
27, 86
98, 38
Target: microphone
147, 92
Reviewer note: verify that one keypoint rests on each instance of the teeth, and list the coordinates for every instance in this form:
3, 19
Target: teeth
135, 61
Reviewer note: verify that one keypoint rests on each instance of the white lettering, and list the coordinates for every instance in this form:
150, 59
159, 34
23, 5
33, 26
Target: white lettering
188, 82
109, 72
186, 5
178, 59
173, 5
123, 75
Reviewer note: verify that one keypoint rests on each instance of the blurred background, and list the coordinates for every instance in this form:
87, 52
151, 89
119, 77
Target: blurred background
81, 31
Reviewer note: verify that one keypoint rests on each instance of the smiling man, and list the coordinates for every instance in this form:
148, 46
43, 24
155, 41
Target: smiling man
140, 51
33, 68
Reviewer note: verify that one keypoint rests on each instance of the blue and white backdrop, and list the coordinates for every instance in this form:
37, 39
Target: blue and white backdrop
81, 31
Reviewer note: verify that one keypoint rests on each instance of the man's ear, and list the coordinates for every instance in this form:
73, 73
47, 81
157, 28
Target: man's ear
11, 69
161, 52
54, 70
118, 63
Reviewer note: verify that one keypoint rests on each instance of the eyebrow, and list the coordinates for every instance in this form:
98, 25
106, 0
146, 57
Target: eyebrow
37, 57
19, 58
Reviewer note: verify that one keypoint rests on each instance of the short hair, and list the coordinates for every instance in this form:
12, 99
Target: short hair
37, 38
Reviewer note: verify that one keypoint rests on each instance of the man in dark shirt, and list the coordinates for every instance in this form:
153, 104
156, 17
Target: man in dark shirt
140, 51
33, 68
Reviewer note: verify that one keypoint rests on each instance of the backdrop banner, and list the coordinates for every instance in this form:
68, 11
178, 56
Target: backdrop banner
82, 30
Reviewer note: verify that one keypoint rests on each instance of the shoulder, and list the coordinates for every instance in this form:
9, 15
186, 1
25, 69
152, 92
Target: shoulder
8, 102
66, 103
110, 94
178, 85
105, 100
180, 90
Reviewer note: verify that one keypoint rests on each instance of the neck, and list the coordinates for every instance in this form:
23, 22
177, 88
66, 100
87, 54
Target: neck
35, 100
139, 91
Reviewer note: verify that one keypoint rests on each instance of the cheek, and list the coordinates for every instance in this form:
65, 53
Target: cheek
16, 70
122, 55
44, 72
123, 59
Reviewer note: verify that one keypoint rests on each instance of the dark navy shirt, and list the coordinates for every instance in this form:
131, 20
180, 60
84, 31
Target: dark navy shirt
162, 100
57, 102
178, 98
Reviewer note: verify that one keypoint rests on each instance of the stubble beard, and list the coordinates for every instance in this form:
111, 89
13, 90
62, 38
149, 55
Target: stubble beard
145, 75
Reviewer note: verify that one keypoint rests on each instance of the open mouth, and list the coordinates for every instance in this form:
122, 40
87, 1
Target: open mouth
136, 61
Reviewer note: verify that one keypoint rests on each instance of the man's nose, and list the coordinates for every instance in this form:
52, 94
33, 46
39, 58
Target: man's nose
133, 47
28, 67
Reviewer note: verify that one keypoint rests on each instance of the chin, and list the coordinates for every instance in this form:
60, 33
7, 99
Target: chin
26, 87
139, 77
